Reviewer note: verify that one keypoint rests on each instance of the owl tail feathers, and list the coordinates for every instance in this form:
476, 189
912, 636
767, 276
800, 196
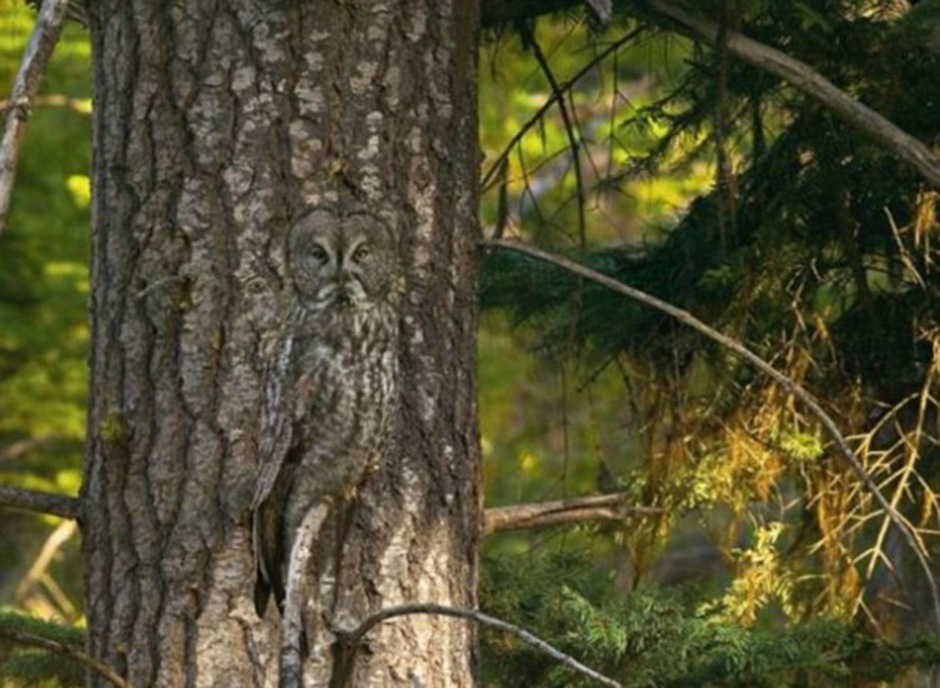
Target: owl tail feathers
263, 590
268, 579
262, 594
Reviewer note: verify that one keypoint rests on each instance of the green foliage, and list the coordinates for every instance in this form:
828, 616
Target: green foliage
818, 253
24, 665
653, 637
44, 286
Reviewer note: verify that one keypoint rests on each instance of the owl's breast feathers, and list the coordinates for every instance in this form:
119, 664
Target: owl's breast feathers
337, 410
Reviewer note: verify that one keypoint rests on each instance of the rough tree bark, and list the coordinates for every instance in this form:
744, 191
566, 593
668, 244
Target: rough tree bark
215, 123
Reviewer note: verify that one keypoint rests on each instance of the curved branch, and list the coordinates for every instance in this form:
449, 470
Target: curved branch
65, 650
348, 641
686, 318
38, 52
608, 507
800, 75
762, 56
557, 93
39, 502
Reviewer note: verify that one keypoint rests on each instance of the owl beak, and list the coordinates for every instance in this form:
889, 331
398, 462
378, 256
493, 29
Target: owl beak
343, 297
344, 291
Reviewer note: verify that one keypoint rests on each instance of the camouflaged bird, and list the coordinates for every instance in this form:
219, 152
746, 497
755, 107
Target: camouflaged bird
331, 388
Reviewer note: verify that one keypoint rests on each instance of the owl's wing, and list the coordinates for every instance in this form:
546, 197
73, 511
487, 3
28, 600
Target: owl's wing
275, 441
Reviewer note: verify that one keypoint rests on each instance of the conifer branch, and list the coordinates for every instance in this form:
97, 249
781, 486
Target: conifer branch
804, 78
608, 507
39, 502
348, 641
64, 649
797, 73
904, 526
38, 51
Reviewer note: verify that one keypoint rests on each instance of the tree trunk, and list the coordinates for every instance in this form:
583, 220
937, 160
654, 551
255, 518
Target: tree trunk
216, 123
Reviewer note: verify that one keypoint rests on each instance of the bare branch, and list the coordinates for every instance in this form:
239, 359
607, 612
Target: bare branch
609, 507
54, 100
52, 545
907, 531
795, 72
348, 641
800, 75
557, 93
39, 502
25, 86
574, 141
18, 450
65, 650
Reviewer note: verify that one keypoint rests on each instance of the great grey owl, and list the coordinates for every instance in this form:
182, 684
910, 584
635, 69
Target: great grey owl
332, 384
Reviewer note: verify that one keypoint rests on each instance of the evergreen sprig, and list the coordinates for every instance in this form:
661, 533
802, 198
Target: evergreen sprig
658, 638
26, 665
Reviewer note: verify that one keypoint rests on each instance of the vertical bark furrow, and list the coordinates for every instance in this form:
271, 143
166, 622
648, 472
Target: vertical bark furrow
215, 124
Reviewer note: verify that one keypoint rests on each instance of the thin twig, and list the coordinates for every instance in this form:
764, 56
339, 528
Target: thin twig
608, 507
39, 502
574, 144
348, 641
52, 545
38, 50
66, 650
814, 84
686, 318
19, 449
556, 94
53, 100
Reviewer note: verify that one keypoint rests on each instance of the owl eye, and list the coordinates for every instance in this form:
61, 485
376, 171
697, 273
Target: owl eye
361, 253
319, 254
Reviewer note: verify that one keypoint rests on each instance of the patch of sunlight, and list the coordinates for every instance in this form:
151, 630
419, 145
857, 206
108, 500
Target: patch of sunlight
79, 185
69, 480
529, 463
486, 446
65, 269
78, 48
13, 43
79, 333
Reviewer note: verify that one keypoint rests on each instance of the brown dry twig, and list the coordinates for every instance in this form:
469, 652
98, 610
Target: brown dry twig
910, 535
608, 507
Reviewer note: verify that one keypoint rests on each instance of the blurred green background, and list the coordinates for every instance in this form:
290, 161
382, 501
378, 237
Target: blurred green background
43, 319
706, 183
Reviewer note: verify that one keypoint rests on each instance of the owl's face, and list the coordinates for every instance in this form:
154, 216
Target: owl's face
341, 261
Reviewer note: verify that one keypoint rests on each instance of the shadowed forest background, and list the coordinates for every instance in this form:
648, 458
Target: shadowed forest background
739, 549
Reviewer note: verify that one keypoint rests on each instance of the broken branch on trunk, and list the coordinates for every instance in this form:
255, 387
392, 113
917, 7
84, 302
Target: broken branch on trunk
908, 532
608, 507
39, 502
348, 641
